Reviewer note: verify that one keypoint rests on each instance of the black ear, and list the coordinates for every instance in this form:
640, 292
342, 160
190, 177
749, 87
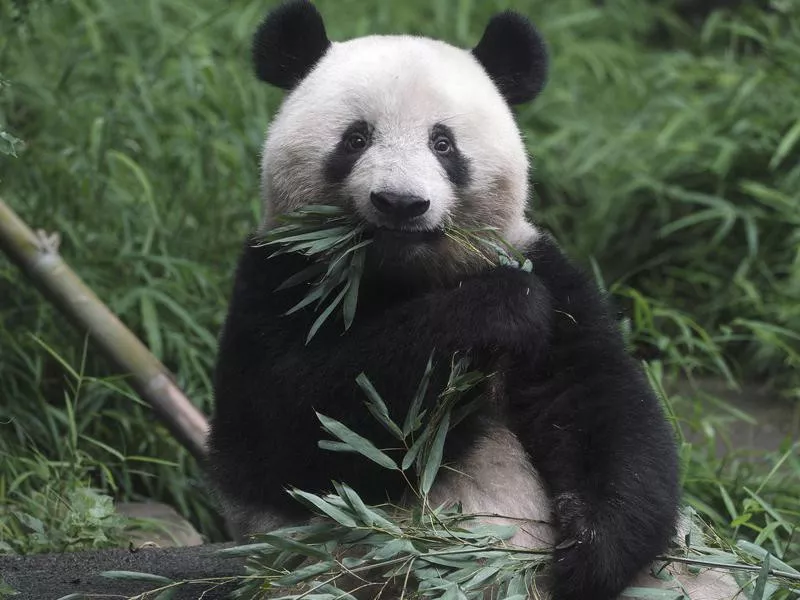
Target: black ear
514, 55
288, 43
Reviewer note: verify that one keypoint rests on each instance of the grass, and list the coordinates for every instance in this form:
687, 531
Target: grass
666, 157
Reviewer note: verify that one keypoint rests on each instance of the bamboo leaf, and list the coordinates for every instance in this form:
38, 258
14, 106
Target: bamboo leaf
325, 314
136, 576
434, 457
377, 407
305, 573
413, 416
368, 516
360, 444
351, 299
313, 295
761, 580
333, 446
326, 508
415, 449
302, 276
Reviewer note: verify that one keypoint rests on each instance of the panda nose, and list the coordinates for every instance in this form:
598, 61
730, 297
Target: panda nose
399, 206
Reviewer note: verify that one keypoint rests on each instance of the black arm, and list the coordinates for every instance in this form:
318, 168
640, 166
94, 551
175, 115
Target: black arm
268, 382
596, 432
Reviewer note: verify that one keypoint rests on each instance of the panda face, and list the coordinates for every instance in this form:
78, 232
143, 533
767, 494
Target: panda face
410, 133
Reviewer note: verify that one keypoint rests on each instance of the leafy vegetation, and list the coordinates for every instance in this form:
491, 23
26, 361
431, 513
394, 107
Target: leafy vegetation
666, 158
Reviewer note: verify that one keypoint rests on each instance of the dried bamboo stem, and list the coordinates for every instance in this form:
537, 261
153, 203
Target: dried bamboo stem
39, 259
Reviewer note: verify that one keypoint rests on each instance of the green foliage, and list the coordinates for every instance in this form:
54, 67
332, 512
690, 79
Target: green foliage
665, 151
49, 503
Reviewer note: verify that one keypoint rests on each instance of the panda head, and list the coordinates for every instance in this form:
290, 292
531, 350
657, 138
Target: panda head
409, 133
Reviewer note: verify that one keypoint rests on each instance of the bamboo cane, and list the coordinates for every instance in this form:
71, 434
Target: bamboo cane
38, 258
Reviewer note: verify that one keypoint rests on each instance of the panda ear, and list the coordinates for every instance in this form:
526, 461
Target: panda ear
288, 43
514, 55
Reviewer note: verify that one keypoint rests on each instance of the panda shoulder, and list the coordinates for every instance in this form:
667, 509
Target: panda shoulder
568, 282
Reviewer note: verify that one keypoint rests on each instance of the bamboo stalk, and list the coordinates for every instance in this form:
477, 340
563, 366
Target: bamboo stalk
39, 259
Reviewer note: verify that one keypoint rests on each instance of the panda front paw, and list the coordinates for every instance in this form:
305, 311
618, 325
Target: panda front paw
505, 308
588, 563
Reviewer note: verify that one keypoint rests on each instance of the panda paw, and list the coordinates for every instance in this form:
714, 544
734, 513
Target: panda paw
505, 308
588, 564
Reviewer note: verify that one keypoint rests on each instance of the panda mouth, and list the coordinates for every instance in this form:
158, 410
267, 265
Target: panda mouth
408, 236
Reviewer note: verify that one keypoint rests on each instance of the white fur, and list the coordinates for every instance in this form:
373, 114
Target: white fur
402, 85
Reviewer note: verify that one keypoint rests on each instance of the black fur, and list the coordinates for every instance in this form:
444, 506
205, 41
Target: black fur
341, 160
580, 405
288, 43
514, 55
455, 164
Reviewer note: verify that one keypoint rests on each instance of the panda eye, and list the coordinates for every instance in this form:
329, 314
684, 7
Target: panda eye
442, 145
356, 142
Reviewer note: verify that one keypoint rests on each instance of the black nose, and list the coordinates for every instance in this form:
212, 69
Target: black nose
399, 206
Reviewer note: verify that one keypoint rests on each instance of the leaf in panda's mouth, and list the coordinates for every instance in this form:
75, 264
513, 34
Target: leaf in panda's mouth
337, 242
405, 236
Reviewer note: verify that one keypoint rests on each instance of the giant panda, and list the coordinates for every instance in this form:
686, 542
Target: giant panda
410, 134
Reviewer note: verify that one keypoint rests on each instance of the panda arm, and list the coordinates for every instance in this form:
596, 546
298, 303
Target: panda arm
268, 382
597, 434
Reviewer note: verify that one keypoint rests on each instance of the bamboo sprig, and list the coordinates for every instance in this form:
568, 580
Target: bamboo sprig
336, 243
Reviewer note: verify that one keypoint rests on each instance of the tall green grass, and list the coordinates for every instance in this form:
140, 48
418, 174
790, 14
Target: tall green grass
666, 155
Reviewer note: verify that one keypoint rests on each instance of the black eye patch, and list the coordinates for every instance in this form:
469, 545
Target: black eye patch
443, 145
354, 142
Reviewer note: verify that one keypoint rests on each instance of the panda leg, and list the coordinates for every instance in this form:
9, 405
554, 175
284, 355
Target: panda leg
244, 521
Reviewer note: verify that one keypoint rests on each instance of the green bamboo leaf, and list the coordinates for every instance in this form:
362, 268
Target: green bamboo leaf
454, 592
325, 314
368, 516
305, 573
360, 444
333, 446
321, 209
246, 550
136, 576
480, 576
377, 406
434, 458
293, 546
302, 276
761, 580
325, 507
415, 449
311, 297
317, 234
517, 586
351, 299
759, 553
413, 417
392, 549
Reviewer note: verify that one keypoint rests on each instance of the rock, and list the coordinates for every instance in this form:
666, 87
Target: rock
159, 525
